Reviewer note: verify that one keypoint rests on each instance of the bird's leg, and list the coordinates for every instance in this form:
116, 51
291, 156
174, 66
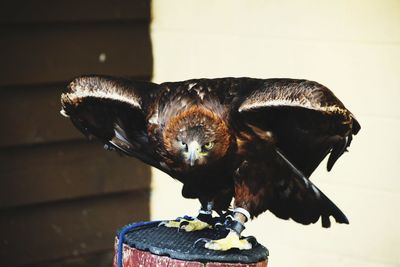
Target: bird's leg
189, 224
235, 227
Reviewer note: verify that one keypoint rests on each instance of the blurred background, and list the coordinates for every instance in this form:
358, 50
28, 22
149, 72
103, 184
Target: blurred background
62, 197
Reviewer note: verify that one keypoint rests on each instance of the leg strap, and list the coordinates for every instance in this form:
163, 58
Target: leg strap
235, 226
208, 212
205, 216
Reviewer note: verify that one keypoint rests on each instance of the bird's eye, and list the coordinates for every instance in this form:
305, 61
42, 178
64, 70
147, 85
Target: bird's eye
209, 145
183, 145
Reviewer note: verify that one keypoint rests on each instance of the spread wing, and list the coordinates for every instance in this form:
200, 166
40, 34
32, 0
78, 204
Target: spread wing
307, 122
113, 110
306, 119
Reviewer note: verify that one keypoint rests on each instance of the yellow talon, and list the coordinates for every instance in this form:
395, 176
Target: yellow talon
232, 240
188, 225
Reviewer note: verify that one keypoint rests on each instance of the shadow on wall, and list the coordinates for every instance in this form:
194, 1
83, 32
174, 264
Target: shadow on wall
61, 196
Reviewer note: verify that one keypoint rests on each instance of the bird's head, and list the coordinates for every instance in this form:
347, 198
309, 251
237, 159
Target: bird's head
195, 145
196, 137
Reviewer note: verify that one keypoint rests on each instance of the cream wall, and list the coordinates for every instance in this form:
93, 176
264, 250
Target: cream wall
351, 46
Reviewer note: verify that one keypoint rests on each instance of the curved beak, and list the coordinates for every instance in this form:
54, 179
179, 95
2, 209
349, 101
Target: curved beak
194, 150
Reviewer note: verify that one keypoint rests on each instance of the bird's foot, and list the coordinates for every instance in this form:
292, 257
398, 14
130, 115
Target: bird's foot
232, 240
186, 223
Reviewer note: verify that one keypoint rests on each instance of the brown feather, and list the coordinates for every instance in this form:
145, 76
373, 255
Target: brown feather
251, 122
198, 116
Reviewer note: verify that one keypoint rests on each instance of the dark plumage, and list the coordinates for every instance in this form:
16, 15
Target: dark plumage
254, 140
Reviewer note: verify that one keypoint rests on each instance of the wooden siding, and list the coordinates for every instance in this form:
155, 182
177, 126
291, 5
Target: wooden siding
34, 11
62, 197
67, 229
45, 53
65, 170
31, 115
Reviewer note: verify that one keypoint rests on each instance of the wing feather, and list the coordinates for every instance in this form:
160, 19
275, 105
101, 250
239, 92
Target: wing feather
307, 122
112, 110
306, 119
293, 93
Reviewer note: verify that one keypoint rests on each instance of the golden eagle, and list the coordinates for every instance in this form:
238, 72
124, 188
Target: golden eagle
256, 141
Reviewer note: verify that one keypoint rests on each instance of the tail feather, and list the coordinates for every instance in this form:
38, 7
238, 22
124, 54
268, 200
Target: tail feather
330, 209
298, 198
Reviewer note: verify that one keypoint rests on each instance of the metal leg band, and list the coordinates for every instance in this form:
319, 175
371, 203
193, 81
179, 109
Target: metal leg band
235, 226
244, 212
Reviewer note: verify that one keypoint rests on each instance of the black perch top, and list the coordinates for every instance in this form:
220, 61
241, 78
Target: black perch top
181, 245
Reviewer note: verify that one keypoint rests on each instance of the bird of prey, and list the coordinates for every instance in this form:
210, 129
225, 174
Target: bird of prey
253, 141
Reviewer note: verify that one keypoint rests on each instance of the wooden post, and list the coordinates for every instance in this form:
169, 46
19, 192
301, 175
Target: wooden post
151, 245
137, 258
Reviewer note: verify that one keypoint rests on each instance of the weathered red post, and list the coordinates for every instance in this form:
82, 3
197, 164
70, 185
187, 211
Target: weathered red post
162, 246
